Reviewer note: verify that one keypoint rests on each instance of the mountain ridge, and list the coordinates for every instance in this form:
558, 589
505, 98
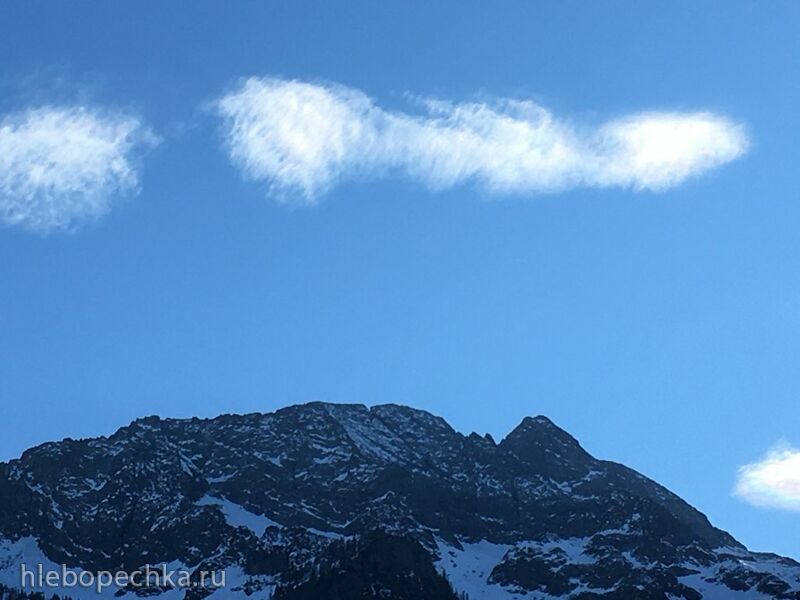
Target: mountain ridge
254, 492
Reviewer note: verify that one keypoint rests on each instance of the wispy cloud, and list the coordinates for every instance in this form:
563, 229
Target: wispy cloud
62, 166
302, 138
774, 481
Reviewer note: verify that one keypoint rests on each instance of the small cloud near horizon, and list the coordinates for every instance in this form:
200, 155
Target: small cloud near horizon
301, 139
62, 166
772, 482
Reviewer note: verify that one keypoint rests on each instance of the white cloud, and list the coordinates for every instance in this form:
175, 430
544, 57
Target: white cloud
304, 138
774, 481
62, 166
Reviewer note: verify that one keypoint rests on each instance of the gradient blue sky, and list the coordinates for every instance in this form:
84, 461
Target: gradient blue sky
662, 329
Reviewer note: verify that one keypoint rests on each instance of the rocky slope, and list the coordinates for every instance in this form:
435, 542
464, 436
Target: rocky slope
343, 501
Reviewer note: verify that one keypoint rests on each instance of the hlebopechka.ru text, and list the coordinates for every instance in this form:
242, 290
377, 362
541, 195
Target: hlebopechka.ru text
148, 576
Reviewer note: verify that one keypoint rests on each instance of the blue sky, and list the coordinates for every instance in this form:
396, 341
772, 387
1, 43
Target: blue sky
481, 222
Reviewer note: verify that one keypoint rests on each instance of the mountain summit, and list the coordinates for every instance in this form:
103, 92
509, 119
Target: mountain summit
348, 502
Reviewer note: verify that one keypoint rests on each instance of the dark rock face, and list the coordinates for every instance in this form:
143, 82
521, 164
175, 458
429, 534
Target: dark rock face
366, 566
296, 502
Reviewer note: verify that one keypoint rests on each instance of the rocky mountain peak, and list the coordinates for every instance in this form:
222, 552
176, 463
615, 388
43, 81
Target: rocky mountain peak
548, 448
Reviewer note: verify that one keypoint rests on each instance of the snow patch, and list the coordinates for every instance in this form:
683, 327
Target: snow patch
26, 551
468, 569
238, 516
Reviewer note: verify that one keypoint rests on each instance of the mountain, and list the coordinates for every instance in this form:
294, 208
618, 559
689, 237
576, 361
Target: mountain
329, 501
